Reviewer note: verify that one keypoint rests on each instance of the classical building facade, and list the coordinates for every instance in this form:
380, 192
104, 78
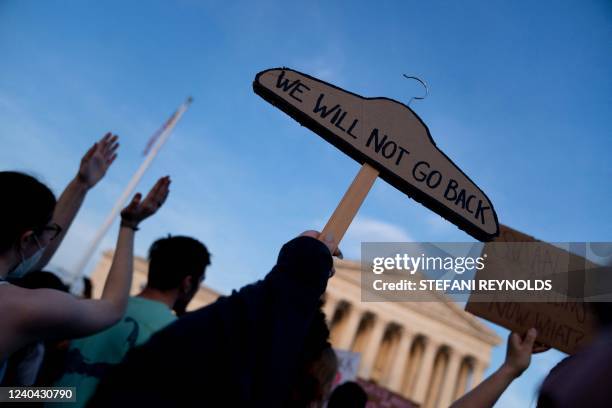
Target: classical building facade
429, 352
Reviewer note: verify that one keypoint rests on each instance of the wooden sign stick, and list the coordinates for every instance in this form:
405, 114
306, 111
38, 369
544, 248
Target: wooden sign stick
349, 205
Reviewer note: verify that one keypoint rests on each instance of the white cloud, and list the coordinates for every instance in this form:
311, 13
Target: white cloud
328, 65
322, 70
370, 229
438, 224
321, 67
365, 229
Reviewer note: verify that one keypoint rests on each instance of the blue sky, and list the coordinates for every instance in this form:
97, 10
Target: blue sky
520, 99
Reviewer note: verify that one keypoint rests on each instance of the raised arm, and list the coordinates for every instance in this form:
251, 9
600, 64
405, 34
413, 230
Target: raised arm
518, 358
57, 315
119, 279
93, 167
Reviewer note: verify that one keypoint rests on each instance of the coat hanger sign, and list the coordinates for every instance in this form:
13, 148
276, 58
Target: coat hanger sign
390, 141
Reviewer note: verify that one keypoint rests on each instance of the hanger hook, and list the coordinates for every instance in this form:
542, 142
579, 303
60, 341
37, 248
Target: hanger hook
422, 83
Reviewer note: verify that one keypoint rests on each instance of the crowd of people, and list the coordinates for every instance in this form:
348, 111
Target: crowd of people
264, 345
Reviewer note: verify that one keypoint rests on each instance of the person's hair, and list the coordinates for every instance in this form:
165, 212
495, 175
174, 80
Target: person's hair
172, 259
348, 395
87, 288
318, 363
603, 313
603, 310
27, 204
41, 280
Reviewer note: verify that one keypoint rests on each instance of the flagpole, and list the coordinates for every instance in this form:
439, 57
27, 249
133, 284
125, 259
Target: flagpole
129, 189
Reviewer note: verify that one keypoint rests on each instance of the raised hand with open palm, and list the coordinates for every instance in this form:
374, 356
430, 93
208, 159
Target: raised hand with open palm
98, 159
138, 209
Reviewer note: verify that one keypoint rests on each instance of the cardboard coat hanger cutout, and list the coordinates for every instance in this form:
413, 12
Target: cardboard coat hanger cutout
390, 140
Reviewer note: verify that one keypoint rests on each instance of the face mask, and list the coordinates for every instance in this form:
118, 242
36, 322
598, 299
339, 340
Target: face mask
26, 265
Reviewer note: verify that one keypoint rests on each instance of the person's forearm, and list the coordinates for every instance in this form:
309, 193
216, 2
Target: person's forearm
119, 280
487, 392
66, 210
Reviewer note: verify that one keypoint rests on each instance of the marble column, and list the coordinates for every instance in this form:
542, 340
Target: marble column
398, 369
477, 373
347, 335
464, 372
423, 375
447, 394
329, 308
368, 357
415, 358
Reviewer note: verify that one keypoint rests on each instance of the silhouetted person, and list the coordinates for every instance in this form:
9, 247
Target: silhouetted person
583, 379
348, 395
317, 367
243, 350
176, 269
41, 280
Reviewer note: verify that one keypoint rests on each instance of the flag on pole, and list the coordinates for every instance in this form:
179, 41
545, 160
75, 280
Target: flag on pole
153, 147
168, 124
